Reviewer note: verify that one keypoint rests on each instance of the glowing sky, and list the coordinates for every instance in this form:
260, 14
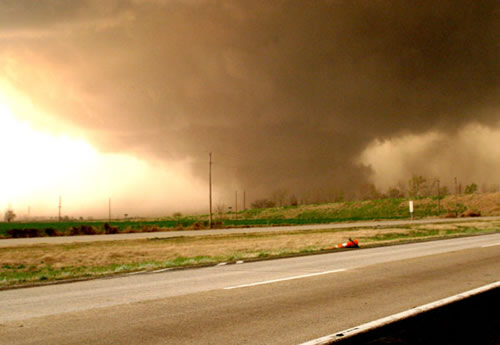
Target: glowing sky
39, 165
124, 100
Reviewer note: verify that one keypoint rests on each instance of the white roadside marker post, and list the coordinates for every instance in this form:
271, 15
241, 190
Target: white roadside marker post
411, 209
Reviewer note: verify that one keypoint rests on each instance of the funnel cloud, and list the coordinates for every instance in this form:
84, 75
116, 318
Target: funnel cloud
286, 94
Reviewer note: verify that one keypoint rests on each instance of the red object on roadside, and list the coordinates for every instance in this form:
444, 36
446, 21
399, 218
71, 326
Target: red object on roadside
352, 243
349, 244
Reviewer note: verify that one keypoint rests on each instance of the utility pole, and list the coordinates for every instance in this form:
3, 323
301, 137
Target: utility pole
210, 188
60, 205
439, 199
236, 201
109, 209
456, 196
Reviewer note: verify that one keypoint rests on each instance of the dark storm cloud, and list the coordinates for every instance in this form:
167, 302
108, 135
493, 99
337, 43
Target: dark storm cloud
285, 93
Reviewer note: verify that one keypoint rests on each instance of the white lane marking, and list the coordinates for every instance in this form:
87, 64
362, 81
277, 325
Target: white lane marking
490, 245
283, 279
399, 316
162, 270
135, 273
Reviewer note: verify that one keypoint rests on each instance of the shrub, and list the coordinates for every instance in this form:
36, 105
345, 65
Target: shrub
82, 230
471, 213
263, 203
108, 229
74, 230
88, 229
149, 228
198, 226
217, 224
15, 233
21, 233
33, 232
395, 193
51, 232
470, 189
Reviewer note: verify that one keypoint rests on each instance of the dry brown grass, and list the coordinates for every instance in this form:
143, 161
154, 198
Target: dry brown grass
487, 203
96, 254
485, 225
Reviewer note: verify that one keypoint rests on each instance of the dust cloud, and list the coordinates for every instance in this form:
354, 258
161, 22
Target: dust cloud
286, 94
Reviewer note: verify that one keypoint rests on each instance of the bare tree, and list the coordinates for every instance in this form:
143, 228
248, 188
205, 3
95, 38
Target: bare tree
336, 195
417, 186
395, 193
443, 191
220, 209
9, 216
279, 197
263, 203
471, 188
369, 191
402, 187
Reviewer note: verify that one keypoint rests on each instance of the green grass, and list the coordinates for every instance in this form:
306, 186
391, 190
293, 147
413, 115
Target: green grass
25, 273
423, 233
397, 235
63, 228
290, 215
15, 275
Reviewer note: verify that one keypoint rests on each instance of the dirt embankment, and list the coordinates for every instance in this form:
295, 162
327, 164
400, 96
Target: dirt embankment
488, 204
485, 204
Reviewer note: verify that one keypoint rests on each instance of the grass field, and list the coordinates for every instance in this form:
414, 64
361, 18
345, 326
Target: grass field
38, 264
486, 204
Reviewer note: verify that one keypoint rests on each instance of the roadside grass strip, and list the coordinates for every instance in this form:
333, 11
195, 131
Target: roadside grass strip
337, 336
27, 265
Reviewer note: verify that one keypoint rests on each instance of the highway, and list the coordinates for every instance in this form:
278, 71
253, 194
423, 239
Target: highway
286, 301
11, 242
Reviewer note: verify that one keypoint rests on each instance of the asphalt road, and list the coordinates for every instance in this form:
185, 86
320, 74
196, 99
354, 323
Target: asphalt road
11, 242
287, 301
476, 316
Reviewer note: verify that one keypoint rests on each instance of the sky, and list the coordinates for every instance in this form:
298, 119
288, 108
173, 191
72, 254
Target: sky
125, 99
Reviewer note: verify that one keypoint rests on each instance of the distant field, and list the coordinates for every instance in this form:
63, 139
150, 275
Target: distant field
484, 204
35, 264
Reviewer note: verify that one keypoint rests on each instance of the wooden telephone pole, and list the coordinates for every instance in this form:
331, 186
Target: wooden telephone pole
439, 199
210, 188
60, 205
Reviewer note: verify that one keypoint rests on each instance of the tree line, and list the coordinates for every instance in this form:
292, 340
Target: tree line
417, 186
